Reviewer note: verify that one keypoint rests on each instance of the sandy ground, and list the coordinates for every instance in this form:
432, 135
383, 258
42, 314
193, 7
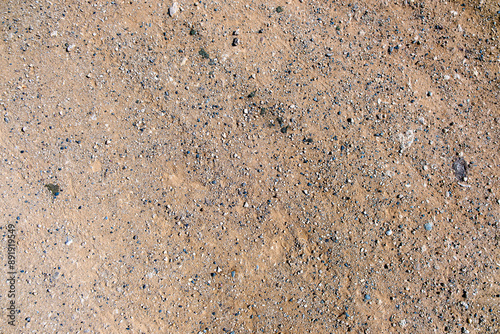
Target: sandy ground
250, 167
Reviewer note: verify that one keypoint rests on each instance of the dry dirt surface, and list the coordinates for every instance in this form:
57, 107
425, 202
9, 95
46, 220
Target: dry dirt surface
249, 167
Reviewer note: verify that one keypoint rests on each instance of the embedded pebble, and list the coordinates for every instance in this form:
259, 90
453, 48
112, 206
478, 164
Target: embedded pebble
172, 10
460, 167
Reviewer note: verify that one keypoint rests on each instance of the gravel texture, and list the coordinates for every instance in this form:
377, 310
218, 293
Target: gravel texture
332, 168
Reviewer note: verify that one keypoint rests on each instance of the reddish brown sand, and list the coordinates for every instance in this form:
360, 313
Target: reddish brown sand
163, 177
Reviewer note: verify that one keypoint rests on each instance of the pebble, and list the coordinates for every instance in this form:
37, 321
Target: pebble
236, 41
173, 9
368, 297
428, 226
389, 232
460, 167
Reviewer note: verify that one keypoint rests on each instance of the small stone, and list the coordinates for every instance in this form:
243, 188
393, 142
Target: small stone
53, 188
69, 48
173, 9
203, 53
236, 32
368, 297
428, 226
389, 232
245, 205
236, 41
69, 241
233, 273
460, 167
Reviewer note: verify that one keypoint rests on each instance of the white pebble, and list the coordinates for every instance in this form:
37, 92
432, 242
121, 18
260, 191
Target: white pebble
173, 9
